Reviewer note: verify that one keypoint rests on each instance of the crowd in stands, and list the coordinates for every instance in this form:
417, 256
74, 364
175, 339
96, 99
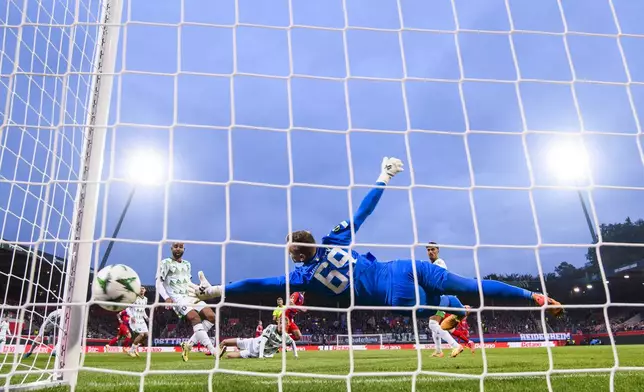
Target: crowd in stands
242, 322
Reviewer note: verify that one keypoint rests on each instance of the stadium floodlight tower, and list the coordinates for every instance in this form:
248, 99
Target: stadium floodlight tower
569, 161
144, 167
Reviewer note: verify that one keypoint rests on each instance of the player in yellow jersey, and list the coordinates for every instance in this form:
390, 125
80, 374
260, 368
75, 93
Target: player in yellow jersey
277, 313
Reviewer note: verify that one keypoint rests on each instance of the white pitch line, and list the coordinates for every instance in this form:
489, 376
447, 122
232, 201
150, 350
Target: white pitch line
354, 380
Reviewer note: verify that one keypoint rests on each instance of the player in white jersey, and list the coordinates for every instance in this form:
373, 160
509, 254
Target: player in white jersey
48, 327
138, 322
4, 333
263, 346
439, 334
173, 279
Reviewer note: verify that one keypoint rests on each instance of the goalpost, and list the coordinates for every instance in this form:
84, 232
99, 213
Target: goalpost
419, 79
56, 98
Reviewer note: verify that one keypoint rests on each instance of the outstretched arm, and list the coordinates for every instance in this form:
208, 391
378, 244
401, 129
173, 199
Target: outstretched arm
389, 168
341, 234
273, 285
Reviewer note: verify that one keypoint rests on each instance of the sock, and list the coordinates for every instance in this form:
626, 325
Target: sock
456, 284
446, 336
203, 338
294, 346
207, 325
461, 335
113, 341
127, 342
193, 340
435, 327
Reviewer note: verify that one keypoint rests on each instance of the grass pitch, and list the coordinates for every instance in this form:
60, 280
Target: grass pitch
326, 370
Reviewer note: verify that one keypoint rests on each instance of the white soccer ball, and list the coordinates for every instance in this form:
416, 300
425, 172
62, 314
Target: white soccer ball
116, 283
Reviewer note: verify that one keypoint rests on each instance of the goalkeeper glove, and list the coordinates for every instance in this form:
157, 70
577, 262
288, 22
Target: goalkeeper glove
204, 290
390, 167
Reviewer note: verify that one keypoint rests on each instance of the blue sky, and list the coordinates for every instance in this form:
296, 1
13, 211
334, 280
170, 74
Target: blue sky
220, 90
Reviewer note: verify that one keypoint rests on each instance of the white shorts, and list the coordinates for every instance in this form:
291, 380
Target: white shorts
139, 328
248, 348
183, 305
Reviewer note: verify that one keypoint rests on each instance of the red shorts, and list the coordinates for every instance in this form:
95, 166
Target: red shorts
123, 330
292, 327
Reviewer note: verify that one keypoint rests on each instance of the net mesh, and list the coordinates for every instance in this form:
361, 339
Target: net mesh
45, 72
274, 114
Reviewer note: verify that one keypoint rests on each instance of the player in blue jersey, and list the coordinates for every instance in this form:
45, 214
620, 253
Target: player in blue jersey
325, 270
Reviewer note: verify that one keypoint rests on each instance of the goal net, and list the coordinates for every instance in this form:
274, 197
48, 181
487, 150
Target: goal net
519, 124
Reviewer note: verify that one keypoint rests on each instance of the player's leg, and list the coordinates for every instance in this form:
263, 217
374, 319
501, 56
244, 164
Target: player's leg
198, 327
37, 340
451, 302
434, 321
294, 331
191, 312
433, 278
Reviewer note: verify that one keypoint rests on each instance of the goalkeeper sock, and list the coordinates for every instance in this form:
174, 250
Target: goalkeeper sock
202, 337
435, 328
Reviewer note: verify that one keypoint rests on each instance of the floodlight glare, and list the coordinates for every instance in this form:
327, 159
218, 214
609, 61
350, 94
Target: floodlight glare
589, 286
576, 289
145, 167
568, 160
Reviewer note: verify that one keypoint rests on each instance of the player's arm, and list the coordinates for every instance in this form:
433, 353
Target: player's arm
262, 345
274, 286
341, 234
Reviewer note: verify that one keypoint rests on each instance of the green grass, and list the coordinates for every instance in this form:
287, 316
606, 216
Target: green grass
369, 367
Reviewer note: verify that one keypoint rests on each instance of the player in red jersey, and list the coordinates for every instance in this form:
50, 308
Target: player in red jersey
122, 332
462, 332
292, 329
259, 329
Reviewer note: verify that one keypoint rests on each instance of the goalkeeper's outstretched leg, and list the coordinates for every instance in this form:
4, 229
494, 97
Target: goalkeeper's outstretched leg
435, 279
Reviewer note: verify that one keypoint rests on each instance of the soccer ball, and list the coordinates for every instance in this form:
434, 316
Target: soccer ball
116, 283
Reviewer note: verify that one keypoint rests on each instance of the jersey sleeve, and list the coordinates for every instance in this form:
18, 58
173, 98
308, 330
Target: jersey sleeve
164, 268
341, 234
298, 281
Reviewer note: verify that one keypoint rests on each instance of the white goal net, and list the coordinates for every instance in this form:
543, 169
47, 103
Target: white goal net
519, 123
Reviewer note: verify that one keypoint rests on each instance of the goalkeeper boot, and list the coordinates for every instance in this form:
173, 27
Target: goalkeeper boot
540, 300
185, 350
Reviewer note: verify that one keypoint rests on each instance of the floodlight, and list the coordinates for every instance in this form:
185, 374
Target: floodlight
568, 160
145, 167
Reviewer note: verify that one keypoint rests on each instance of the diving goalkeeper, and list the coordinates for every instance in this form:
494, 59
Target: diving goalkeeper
325, 270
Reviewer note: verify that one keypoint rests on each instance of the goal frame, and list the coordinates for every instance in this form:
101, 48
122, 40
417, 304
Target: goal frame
79, 255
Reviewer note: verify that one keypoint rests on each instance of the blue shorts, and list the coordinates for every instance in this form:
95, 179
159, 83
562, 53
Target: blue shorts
430, 286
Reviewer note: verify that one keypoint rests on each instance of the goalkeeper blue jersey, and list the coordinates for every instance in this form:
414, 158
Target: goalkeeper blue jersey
374, 283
